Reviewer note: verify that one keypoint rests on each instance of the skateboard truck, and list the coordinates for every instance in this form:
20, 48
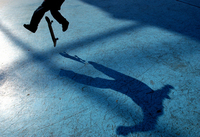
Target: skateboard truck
51, 30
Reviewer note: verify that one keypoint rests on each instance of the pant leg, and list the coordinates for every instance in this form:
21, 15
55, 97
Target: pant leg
57, 5
38, 14
56, 14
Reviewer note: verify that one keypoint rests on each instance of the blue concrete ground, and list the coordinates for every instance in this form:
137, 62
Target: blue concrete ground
123, 68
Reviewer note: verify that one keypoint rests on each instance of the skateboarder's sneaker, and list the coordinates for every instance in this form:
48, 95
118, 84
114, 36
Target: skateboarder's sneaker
65, 26
30, 28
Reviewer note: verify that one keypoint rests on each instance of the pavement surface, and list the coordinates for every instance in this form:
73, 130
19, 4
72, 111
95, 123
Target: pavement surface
123, 68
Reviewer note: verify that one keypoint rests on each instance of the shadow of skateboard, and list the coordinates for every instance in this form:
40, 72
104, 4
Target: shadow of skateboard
51, 30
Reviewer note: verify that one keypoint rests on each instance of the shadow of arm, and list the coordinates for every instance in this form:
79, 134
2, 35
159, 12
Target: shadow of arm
86, 80
109, 72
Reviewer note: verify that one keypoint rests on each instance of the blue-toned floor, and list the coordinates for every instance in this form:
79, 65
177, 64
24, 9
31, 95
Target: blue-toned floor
123, 68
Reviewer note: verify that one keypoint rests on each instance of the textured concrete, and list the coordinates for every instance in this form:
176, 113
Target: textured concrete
124, 68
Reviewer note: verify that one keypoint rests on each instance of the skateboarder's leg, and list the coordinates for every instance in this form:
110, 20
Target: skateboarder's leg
56, 14
36, 18
37, 15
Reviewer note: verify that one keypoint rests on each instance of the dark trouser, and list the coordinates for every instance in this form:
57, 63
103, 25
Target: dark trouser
46, 6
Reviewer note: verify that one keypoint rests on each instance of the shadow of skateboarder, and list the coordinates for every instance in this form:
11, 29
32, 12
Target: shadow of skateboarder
150, 101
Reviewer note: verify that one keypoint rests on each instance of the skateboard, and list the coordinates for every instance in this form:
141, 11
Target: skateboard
51, 30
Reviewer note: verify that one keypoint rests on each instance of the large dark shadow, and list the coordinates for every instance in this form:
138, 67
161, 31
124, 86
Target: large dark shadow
150, 101
168, 14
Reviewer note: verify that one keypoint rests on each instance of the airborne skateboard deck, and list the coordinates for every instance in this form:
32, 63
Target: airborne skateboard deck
51, 30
